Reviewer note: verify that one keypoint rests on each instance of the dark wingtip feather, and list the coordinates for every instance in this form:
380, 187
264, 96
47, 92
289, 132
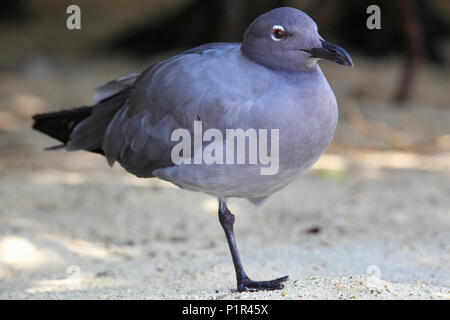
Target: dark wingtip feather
57, 147
60, 124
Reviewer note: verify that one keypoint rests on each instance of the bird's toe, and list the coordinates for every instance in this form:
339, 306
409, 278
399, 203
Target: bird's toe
250, 285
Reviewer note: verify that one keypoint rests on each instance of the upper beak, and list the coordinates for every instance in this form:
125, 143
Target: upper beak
331, 52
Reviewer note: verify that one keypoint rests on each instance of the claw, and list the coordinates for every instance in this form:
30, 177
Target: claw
250, 285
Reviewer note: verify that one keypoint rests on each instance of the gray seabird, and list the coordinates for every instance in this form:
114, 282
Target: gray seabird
269, 81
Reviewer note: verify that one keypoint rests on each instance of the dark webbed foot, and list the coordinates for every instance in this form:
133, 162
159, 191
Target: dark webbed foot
250, 285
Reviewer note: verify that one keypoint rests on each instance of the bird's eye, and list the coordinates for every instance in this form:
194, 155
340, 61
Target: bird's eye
278, 33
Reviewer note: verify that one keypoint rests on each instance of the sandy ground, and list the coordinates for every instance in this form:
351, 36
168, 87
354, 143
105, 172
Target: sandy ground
367, 225
371, 221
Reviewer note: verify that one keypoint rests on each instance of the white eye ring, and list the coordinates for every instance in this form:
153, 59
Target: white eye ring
276, 28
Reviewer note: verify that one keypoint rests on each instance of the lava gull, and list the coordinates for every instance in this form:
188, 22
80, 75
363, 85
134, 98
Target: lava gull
227, 119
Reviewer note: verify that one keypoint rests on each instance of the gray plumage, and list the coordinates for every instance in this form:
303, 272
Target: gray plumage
259, 84
269, 81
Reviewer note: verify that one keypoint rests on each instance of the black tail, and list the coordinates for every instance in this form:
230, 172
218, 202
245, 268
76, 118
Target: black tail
60, 124
91, 123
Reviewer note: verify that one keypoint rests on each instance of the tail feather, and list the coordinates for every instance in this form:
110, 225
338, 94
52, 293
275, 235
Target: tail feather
59, 125
82, 128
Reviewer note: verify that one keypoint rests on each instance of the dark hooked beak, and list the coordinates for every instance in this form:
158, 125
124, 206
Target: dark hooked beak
331, 52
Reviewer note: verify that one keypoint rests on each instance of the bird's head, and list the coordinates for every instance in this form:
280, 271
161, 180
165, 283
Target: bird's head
287, 38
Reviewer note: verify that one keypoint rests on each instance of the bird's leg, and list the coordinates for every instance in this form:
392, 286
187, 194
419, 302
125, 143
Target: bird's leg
244, 283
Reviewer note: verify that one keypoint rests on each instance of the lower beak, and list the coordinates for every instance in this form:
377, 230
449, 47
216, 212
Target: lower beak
331, 52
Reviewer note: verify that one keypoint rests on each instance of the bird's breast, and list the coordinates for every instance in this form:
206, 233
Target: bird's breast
307, 121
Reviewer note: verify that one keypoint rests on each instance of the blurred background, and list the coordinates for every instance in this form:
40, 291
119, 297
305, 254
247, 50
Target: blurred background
379, 197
